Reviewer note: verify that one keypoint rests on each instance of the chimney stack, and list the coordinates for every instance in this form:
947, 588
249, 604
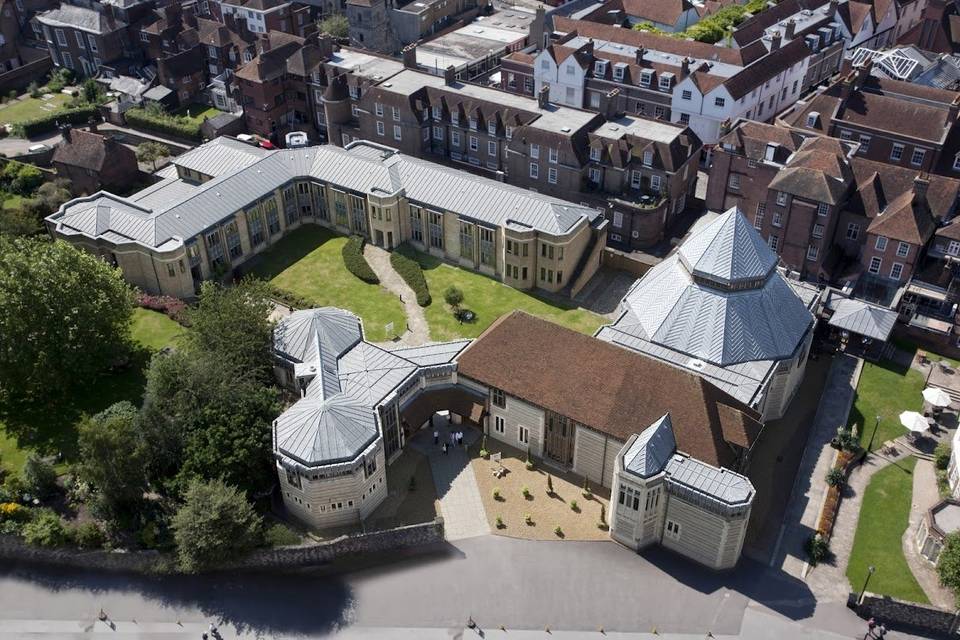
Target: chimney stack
409, 53
920, 185
775, 40
640, 53
685, 67
538, 32
791, 29
834, 7
449, 75
608, 104
65, 131
543, 97
93, 124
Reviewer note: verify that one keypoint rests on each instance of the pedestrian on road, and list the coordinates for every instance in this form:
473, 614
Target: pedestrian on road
871, 625
881, 631
453, 438
204, 636
436, 437
444, 448
460, 438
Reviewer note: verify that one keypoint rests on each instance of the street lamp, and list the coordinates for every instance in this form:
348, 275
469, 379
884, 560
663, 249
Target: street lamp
870, 571
872, 435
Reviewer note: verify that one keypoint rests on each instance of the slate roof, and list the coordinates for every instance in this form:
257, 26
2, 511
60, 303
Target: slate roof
91, 151
603, 386
381, 171
74, 17
863, 318
689, 310
221, 156
653, 448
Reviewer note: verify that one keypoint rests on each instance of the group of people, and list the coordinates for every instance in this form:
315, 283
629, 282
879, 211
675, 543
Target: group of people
456, 440
875, 630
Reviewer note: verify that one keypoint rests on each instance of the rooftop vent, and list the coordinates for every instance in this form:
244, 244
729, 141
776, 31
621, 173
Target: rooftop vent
696, 364
565, 129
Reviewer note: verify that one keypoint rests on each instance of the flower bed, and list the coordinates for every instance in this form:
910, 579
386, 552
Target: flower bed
173, 308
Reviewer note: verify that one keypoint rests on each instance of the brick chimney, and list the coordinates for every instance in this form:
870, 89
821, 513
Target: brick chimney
66, 130
449, 75
538, 32
920, 185
640, 53
834, 7
409, 54
791, 29
685, 67
543, 97
608, 104
775, 40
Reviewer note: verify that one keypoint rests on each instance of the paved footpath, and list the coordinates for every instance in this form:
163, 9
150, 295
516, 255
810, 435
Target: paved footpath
460, 502
418, 331
925, 495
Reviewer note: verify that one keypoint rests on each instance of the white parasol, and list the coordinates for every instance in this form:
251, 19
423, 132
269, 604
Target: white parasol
914, 421
936, 397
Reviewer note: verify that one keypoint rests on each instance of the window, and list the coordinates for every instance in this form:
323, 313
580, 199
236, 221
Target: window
595, 175
416, 223
777, 220
80, 41
896, 152
553, 155
864, 143
396, 114
534, 170
436, 229
774, 242
600, 67
917, 158
378, 109
438, 133
896, 271
881, 244
509, 132
93, 42
523, 434
822, 209
617, 219
903, 249
498, 424
397, 132
61, 38
812, 252
455, 118
437, 113
535, 151
781, 198
758, 218
618, 72
655, 183
571, 94
67, 60
474, 143
684, 118
664, 83
818, 231
646, 77
380, 130
491, 148
875, 264
648, 158
635, 177
846, 134
673, 529
595, 154
552, 175
487, 245
145, 37
466, 240
658, 112
953, 248
853, 231
685, 94
455, 138
719, 102
734, 181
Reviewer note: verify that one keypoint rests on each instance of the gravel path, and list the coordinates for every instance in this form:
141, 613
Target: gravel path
418, 332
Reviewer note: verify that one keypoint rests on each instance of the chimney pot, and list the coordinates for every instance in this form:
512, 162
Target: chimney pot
449, 75
543, 97
791, 28
775, 40
640, 53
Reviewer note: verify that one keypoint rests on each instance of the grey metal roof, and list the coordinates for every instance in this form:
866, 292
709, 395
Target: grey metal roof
357, 169
221, 156
316, 431
690, 478
728, 250
863, 318
765, 320
650, 452
432, 354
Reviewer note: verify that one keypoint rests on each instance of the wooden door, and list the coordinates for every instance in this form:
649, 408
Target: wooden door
558, 444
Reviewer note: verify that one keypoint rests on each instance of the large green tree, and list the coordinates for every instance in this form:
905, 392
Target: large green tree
112, 458
232, 325
335, 24
215, 523
64, 317
948, 564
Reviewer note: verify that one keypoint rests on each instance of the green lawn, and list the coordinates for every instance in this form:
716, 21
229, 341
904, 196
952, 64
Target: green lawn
29, 108
308, 263
884, 517
12, 201
50, 430
197, 112
885, 390
489, 299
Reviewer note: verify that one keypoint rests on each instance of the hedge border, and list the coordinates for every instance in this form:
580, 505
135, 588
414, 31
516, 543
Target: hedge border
354, 261
50, 121
170, 125
412, 273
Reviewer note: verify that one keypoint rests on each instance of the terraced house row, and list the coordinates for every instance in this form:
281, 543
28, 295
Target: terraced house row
226, 201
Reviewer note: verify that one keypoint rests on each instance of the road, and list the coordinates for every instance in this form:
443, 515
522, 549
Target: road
573, 586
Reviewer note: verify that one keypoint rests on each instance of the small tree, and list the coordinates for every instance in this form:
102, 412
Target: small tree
46, 530
39, 477
152, 152
215, 523
336, 25
549, 484
453, 297
91, 91
111, 458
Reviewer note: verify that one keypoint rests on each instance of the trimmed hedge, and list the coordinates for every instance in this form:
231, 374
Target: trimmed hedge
171, 125
412, 274
355, 262
50, 121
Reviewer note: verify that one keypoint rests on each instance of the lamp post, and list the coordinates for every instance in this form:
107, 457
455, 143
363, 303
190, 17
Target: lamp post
870, 571
873, 435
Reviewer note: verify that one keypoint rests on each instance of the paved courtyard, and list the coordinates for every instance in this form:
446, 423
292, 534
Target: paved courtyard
460, 503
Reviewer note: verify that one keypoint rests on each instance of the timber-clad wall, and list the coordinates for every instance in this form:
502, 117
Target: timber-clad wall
704, 536
518, 413
594, 455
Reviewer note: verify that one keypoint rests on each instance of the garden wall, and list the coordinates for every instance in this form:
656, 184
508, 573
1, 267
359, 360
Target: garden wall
907, 617
14, 549
633, 263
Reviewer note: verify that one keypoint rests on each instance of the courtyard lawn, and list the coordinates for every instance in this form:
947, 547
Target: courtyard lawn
308, 263
197, 112
488, 299
886, 390
50, 430
884, 516
29, 108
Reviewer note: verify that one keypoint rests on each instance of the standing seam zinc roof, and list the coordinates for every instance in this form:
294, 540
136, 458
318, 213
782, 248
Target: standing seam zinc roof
484, 200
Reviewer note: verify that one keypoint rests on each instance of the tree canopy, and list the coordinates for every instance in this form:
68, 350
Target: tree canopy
948, 564
64, 317
336, 25
151, 152
214, 524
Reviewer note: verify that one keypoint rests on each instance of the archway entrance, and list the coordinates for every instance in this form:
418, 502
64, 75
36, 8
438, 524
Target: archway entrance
464, 406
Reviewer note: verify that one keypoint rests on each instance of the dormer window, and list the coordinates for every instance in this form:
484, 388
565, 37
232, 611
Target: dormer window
455, 118
812, 118
437, 113
600, 68
619, 70
647, 158
492, 128
509, 133
666, 81
595, 154
473, 124
646, 77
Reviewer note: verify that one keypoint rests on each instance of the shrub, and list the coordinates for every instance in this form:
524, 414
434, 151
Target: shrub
280, 535
173, 308
409, 269
529, 465
549, 483
33, 89
526, 493
835, 477
500, 524
87, 535
574, 506
484, 454
558, 531
496, 494
13, 511
528, 519
50, 121
354, 261
846, 440
941, 455
46, 530
453, 297
817, 548
602, 524
587, 493
948, 564
157, 120
39, 477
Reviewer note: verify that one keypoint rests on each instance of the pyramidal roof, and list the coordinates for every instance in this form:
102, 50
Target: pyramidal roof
651, 451
728, 250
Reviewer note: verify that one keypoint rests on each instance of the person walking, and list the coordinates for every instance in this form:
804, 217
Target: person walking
444, 448
436, 437
460, 438
871, 625
881, 631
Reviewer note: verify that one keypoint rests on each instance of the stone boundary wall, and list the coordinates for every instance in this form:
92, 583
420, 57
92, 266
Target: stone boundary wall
13, 549
634, 264
907, 617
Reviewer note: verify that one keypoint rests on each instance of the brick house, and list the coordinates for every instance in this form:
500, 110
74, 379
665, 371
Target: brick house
81, 39
92, 161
